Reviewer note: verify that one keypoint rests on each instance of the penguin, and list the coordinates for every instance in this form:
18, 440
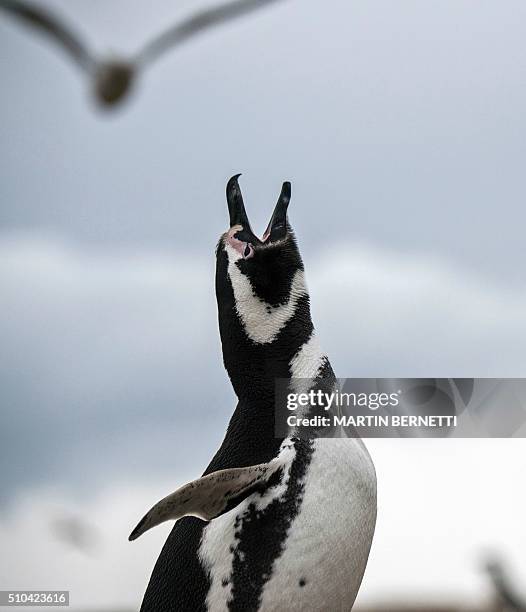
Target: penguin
274, 523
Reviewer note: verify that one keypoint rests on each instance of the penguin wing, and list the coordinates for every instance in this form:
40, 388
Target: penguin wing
210, 496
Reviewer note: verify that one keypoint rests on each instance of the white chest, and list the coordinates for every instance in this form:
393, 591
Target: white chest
327, 545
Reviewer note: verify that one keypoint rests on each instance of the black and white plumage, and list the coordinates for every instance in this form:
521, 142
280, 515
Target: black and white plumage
273, 524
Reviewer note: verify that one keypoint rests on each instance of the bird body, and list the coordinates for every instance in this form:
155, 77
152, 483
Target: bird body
274, 523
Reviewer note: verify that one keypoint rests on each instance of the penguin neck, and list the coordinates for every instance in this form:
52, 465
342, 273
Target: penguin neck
253, 368
263, 342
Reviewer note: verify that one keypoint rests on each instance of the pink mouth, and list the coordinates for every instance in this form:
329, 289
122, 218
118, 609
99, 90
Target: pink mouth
235, 243
245, 249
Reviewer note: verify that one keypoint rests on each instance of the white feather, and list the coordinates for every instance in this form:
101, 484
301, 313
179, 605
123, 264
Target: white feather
260, 325
329, 541
218, 542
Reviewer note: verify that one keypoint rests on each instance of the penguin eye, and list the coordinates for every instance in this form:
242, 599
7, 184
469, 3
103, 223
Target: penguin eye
249, 251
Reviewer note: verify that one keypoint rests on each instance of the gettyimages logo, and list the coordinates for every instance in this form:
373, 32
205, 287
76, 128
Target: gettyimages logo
401, 407
337, 398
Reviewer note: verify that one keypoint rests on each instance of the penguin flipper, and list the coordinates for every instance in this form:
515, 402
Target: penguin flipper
209, 496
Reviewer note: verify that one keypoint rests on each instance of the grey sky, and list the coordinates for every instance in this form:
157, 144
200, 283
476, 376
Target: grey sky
399, 123
111, 359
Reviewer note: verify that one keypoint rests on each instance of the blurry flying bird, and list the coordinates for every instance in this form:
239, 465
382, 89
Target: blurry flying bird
76, 533
112, 78
503, 586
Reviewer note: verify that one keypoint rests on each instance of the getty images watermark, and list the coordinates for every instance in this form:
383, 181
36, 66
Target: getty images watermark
401, 407
345, 400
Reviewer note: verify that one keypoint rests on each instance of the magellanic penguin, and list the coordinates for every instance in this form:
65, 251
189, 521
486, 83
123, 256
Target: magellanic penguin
273, 524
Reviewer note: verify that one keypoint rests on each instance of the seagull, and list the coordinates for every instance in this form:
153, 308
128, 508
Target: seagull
112, 78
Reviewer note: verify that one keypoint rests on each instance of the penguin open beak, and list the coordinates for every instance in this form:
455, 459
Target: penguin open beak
236, 206
277, 227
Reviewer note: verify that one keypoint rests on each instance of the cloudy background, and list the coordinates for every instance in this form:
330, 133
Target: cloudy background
402, 128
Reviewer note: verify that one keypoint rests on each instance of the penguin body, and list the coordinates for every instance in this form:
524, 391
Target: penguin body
302, 545
273, 524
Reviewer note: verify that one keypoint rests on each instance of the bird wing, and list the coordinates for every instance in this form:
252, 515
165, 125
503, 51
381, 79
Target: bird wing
195, 24
49, 23
209, 496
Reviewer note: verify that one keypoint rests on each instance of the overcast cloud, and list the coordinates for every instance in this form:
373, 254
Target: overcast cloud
112, 363
400, 124
104, 412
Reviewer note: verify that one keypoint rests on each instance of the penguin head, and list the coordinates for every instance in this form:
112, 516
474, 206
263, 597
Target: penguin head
261, 270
